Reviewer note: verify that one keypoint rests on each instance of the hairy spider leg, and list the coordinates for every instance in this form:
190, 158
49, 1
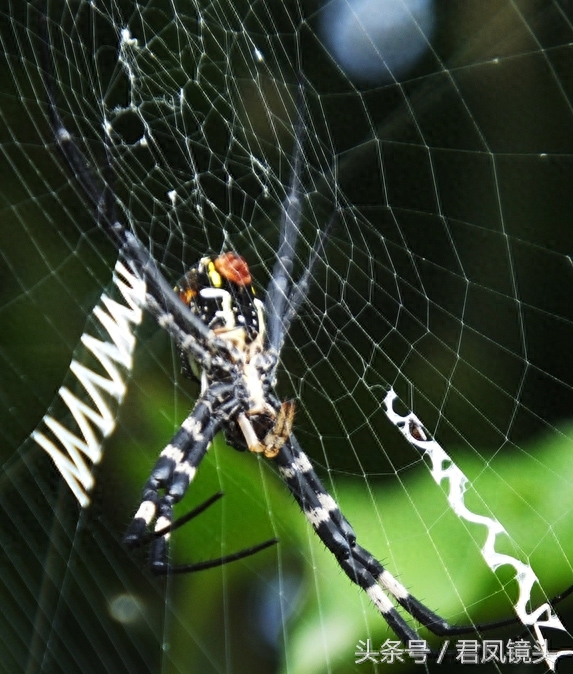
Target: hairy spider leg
337, 534
177, 465
173, 472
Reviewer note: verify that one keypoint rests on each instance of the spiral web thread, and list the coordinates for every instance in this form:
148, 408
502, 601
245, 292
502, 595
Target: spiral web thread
186, 111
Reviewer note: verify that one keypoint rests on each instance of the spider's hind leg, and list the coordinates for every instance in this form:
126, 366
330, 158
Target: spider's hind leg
172, 474
178, 463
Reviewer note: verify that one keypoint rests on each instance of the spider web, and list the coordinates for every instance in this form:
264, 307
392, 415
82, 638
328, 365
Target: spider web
446, 281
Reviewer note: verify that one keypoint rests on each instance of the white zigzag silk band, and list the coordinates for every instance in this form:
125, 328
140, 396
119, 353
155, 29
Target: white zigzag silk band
444, 468
76, 453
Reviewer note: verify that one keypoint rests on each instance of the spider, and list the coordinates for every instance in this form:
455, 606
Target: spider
231, 341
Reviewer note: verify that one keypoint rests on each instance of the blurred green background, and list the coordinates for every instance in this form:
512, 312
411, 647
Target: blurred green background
447, 275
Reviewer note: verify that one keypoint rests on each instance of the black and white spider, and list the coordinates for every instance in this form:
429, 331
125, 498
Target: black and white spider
232, 341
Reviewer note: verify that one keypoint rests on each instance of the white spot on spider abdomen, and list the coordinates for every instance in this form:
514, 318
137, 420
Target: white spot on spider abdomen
260, 309
226, 312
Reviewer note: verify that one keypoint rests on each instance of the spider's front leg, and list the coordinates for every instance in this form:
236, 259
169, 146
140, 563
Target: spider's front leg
176, 468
